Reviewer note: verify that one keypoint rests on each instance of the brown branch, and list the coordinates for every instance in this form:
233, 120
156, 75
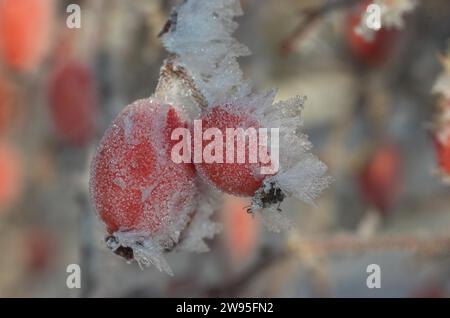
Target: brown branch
234, 286
325, 247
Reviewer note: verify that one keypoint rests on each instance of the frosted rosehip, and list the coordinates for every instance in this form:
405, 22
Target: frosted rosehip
73, 102
254, 148
381, 176
144, 199
25, 27
242, 179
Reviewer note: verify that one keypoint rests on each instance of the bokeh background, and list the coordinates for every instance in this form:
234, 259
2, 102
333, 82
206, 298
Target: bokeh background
370, 114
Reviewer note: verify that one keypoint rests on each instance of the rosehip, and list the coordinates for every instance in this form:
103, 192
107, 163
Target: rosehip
25, 27
241, 179
39, 249
371, 51
267, 166
10, 175
73, 102
143, 197
380, 179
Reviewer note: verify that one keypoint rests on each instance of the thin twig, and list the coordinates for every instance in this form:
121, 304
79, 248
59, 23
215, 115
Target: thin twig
234, 286
309, 18
432, 245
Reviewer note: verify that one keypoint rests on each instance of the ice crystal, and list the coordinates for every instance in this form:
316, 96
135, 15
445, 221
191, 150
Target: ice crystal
201, 37
201, 226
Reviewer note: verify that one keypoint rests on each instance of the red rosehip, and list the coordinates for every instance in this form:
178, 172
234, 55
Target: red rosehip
39, 249
380, 178
136, 188
241, 179
73, 102
25, 27
374, 51
10, 175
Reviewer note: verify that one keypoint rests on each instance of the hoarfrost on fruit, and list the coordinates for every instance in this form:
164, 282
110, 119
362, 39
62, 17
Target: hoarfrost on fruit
198, 35
300, 174
149, 203
144, 199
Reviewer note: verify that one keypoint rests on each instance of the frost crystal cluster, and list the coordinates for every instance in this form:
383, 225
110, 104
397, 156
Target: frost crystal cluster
200, 37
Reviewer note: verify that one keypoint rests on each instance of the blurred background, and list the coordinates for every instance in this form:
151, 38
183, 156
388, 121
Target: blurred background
370, 113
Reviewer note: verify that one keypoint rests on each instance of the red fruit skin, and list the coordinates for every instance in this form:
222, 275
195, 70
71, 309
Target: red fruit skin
240, 179
443, 154
380, 179
73, 103
373, 52
135, 186
25, 27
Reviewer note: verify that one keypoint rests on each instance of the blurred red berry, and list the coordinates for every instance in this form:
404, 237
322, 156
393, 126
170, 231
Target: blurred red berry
25, 27
73, 102
430, 292
374, 51
241, 179
135, 186
380, 178
240, 229
10, 175
39, 249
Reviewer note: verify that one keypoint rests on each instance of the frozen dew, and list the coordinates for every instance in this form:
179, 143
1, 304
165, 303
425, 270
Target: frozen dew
202, 227
201, 38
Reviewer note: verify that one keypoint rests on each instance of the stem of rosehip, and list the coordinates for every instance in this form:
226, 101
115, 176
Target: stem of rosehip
172, 74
